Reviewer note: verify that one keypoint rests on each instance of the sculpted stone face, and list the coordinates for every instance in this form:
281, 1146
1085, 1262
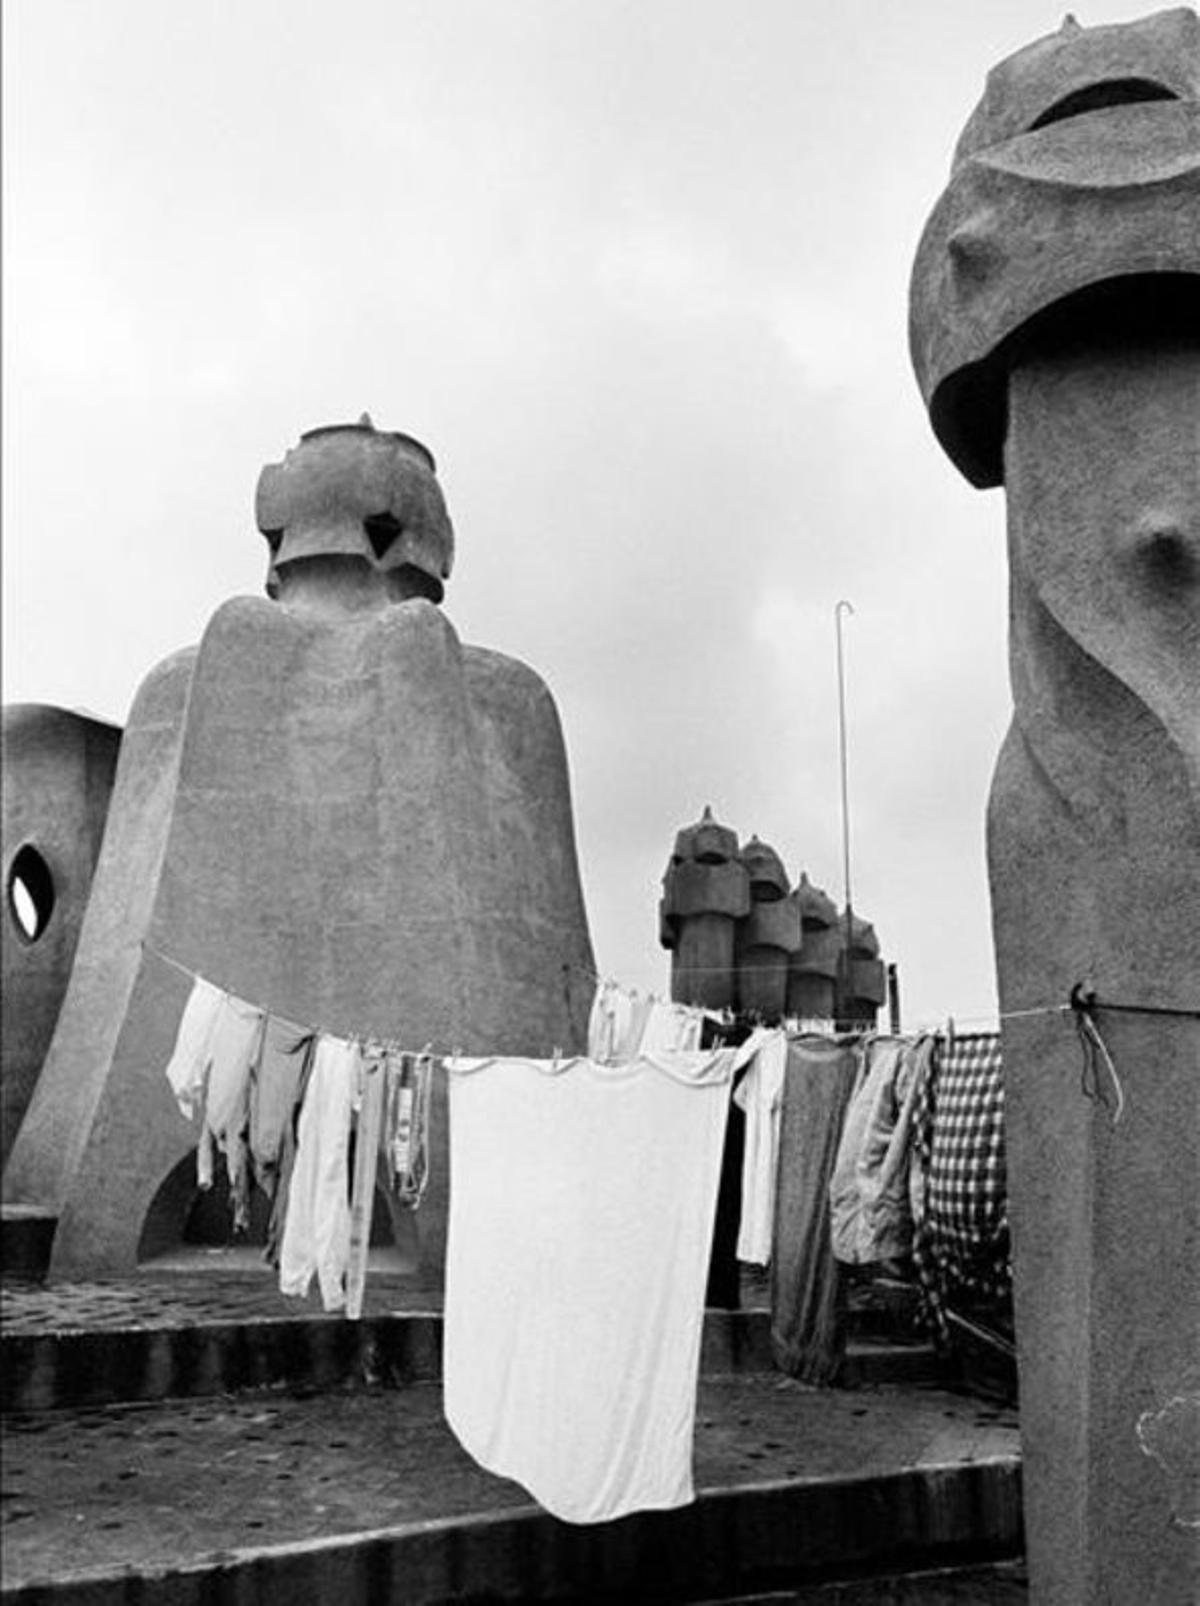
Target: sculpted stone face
355, 521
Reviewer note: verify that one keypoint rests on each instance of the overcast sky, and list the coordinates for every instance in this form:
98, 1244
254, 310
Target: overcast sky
637, 273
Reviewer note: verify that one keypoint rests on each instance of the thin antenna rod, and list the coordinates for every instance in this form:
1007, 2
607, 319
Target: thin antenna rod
841, 671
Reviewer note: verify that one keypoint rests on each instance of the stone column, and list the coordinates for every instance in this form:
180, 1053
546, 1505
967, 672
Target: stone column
705, 892
768, 936
56, 780
865, 974
1056, 335
813, 968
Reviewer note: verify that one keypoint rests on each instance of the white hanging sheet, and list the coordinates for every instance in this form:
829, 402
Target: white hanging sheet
582, 1202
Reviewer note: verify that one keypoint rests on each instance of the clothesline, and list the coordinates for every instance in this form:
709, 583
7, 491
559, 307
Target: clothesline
433, 1046
727, 1014
1081, 998
1082, 1005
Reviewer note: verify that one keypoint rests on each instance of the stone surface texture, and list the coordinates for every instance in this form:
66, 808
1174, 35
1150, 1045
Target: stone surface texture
1085, 310
339, 812
57, 779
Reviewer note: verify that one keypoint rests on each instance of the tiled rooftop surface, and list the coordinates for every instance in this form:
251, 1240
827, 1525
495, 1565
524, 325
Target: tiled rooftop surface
193, 1483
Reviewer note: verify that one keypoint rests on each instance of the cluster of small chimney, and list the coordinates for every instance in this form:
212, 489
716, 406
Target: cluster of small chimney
742, 938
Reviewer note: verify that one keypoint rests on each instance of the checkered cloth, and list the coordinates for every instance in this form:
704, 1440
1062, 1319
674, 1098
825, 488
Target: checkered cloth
961, 1243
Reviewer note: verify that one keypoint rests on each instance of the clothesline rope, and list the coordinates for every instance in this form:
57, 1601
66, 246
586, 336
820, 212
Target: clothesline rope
960, 1020
1081, 997
928, 1026
1082, 1005
391, 1041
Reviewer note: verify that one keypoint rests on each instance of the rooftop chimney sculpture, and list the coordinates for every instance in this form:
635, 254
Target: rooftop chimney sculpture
1056, 337
742, 939
332, 808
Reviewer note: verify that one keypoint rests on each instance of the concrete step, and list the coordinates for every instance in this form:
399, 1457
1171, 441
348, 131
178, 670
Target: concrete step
1003, 1583
366, 1496
118, 1352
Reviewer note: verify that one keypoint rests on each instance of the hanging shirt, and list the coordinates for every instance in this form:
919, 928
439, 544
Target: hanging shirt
961, 1242
612, 1024
581, 1214
276, 1080
287, 1161
808, 1326
316, 1233
233, 1046
760, 1095
670, 1029
869, 1195
189, 1058
209, 1070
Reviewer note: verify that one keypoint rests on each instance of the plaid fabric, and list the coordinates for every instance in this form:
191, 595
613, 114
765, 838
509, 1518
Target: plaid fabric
961, 1243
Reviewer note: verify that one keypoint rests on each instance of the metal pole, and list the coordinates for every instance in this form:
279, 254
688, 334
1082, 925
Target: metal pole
841, 671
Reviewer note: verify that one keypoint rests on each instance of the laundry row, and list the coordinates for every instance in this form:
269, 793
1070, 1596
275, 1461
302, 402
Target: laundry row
279, 1101
624, 1022
873, 1151
582, 1202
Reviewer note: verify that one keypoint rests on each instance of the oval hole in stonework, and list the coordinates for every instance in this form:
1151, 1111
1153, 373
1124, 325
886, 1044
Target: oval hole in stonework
30, 892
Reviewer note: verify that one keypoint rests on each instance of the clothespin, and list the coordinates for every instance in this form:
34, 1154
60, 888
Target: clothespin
949, 1031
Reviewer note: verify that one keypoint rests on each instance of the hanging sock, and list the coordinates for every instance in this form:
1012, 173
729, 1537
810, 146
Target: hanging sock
366, 1156
405, 1134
